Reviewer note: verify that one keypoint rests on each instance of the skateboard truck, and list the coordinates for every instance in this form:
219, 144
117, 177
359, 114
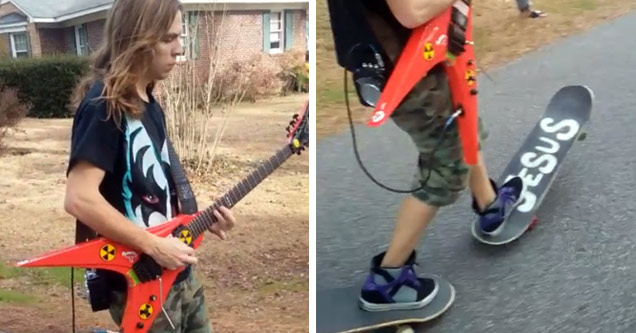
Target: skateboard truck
533, 223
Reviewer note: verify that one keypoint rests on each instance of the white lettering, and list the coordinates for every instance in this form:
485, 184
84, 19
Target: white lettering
528, 179
130, 255
572, 125
528, 201
441, 40
528, 160
550, 150
546, 162
378, 116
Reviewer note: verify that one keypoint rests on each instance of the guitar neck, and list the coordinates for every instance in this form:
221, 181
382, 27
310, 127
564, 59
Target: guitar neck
206, 218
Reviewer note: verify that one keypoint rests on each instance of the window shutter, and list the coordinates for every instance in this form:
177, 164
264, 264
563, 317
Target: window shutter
84, 38
70, 40
289, 29
28, 40
266, 25
193, 32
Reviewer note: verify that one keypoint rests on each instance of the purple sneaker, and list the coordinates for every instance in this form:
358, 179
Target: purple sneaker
396, 288
493, 218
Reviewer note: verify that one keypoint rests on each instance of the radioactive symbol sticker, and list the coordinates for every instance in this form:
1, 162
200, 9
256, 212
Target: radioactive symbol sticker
145, 311
107, 252
429, 52
470, 77
185, 236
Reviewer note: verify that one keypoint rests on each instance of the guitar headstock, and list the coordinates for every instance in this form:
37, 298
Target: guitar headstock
298, 130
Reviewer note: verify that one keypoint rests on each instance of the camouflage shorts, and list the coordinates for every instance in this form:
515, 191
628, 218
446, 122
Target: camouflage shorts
185, 305
422, 116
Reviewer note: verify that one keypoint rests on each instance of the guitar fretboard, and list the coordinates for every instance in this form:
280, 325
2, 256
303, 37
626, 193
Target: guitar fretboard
206, 218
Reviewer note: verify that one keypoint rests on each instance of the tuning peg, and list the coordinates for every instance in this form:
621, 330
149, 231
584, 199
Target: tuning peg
295, 116
287, 128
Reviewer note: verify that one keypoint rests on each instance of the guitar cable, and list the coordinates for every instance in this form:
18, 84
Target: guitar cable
440, 139
73, 297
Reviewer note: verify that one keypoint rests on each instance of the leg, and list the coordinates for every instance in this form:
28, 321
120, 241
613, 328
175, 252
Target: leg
524, 9
480, 185
195, 317
523, 5
422, 116
413, 218
493, 204
415, 215
392, 283
160, 324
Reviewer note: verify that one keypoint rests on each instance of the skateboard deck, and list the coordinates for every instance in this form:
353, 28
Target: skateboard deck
540, 157
337, 310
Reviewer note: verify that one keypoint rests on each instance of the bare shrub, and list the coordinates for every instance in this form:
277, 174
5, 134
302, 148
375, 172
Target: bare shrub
11, 112
193, 96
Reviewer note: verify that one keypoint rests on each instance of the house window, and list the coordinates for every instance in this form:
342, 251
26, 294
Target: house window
188, 40
307, 31
19, 45
276, 32
184, 37
81, 40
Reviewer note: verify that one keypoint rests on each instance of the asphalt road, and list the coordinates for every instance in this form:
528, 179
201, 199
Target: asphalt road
575, 272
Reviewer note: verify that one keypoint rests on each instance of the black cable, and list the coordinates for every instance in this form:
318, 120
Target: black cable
73, 298
355, 147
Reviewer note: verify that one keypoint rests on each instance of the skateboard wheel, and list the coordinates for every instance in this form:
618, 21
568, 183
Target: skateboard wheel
405, 329
533, 223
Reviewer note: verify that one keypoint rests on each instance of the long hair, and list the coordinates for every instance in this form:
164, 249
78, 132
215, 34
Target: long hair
133, 28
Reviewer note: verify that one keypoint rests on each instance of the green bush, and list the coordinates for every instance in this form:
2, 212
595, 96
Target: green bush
46, 84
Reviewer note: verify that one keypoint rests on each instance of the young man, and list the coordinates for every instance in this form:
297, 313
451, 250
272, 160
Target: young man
119, 179
392, 282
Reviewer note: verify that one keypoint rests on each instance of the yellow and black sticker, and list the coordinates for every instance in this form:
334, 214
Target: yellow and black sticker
429, 52
470, 77
107, 252
145, 311
185, 236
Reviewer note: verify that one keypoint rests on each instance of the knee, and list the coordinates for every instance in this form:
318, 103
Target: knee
444, 185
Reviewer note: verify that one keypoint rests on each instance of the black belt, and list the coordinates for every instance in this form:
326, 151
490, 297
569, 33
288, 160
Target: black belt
183, 275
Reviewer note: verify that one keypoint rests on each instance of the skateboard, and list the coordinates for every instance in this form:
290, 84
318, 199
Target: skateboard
540, 157
337, 310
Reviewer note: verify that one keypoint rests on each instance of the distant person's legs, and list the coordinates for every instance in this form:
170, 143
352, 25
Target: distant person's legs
524, 8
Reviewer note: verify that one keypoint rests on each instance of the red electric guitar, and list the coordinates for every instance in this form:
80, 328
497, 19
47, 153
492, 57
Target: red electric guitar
448, 39
146, 291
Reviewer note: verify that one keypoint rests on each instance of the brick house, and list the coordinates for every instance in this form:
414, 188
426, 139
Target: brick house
234, 29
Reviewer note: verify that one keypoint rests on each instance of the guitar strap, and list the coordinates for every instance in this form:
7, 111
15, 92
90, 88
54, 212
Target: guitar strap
187, 200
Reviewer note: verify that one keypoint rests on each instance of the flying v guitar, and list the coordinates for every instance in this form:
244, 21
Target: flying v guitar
148, 283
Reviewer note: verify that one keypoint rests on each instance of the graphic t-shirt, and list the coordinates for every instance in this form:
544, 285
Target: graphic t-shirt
137, 182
